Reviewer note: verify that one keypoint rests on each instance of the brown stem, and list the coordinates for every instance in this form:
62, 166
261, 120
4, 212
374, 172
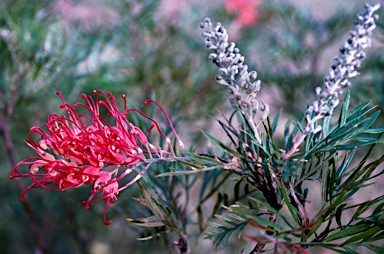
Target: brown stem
5, 133
182, 244
259, 248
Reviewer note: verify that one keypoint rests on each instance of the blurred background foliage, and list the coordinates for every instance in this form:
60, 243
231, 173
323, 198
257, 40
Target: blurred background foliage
147, 49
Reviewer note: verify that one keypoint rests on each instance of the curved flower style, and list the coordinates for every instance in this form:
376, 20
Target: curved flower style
87, 149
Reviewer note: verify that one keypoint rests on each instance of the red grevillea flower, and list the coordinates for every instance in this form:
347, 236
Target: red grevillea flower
87, 148
246, 11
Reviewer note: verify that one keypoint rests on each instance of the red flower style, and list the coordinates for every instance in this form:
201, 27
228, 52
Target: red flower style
87, 149
246, 11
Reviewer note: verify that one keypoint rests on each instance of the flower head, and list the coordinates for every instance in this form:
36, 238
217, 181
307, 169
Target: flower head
83, 147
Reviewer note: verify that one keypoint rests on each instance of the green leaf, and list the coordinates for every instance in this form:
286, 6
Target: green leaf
287, 137
373, 131
330, 247
338, 214
276, 121
205, 159
371, 120
364, 236
344, 109
348, 231
273, 210
234, 216
326, 125
345, 164
189, 172
227, 220
220, 232
362, 207
374, 248
266, 222
294, 213
224, 147
152, 221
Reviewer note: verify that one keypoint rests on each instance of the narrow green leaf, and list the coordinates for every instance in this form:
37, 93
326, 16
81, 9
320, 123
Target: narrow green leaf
326, 125
266, 222
225, 219
363, 236
239, 209
223, 147
350, 251
152, 221
344, 109
338, 214
286, 134
373, 131
375, 248
287, 201
368, 139
204, 159
273, 210
348, 231
237, 217
345, 164
371, 120
330, 247
188, 172
216, 225
276, 121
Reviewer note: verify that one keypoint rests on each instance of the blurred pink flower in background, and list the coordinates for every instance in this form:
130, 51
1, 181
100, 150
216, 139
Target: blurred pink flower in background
246, 11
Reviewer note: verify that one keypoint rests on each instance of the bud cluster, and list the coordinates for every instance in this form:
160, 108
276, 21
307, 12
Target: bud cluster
337, 79
233, 73
342, 69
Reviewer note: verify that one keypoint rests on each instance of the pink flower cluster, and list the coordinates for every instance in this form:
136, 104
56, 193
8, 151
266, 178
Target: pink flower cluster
246, 11
86, 148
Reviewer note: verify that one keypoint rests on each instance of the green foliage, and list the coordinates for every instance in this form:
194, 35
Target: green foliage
238, 192
326, 161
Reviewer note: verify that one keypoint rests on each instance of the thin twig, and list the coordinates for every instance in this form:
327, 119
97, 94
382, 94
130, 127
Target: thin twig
5, 133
